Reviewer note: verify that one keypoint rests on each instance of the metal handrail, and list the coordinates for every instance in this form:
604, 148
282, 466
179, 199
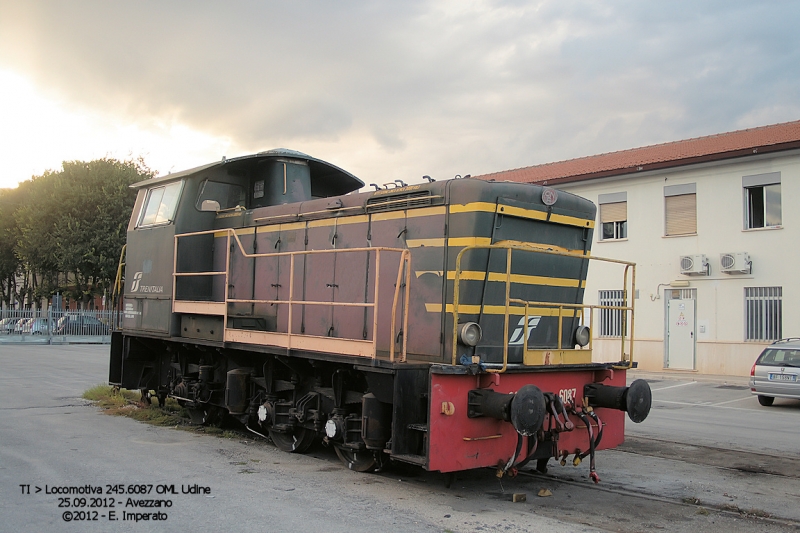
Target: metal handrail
117, 291
509, 247
403, 280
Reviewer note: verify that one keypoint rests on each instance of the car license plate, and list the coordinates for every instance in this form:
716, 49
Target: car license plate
783, 377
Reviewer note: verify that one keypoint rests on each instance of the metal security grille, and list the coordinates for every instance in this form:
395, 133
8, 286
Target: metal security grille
399, 201
611, 319
763, 313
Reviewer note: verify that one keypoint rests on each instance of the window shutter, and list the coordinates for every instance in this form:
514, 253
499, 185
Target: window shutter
681, 214
616, 212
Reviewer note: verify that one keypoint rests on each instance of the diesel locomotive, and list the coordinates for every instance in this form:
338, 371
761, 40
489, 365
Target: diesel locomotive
440, 324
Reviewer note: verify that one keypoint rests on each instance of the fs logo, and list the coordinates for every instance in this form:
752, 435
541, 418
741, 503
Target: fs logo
516, 337
137, 278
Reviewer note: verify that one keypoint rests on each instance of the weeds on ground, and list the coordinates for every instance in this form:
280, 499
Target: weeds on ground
121, 402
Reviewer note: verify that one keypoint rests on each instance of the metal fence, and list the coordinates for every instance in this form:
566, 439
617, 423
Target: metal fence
56, 322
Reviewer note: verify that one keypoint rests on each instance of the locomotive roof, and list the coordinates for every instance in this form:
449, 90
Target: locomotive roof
337, 180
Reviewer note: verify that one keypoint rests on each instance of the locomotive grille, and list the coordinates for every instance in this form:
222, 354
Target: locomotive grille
399, 201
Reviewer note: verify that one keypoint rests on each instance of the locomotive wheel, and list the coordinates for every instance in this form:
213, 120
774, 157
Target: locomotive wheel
361, 461
296, 442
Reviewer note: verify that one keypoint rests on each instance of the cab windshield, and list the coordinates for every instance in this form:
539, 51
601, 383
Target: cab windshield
159, 208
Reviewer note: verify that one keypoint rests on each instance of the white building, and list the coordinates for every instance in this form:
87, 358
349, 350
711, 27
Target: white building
710, 225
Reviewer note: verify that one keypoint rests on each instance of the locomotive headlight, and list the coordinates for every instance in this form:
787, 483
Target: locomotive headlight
582, 335
469, 333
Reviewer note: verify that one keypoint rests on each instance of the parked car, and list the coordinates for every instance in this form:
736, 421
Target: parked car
20, 325
76, 324
36, 326
7, 325
775, 372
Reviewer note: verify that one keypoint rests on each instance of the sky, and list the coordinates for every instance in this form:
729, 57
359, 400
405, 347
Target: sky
384, 89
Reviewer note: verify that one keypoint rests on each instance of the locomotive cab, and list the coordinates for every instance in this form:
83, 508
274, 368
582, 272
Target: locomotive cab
222, 195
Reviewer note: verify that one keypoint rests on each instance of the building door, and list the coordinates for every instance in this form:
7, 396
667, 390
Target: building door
680, 329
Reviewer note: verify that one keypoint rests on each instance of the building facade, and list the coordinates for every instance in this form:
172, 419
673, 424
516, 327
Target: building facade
711, 225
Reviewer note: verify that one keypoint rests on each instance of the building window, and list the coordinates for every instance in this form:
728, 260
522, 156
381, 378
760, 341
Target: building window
762, 200
613, 216
680, 209
763, 311
611, 319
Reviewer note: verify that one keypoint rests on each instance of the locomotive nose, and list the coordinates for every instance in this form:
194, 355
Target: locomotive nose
635, 400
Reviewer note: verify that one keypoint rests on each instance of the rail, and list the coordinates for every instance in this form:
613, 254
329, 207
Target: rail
402, 285
626, 359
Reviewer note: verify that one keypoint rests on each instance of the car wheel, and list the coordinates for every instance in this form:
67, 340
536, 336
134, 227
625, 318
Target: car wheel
766, 401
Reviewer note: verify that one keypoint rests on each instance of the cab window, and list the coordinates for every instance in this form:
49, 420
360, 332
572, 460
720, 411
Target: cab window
218, 196
159, 207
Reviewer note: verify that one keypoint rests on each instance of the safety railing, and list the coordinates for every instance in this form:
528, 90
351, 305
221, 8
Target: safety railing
559, 309
289, 339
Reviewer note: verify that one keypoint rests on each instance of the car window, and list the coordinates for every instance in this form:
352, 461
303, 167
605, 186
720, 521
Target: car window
778, 357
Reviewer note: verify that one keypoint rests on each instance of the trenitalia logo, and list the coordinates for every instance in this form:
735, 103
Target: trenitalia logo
136, 279
137, 287
516, 337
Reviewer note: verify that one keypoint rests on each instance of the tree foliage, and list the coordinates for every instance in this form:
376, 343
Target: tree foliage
63, 231
9, 261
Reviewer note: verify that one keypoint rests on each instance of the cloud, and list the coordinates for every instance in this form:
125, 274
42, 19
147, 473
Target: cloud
401, 89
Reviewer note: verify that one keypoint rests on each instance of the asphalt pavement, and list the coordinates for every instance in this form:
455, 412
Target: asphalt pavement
62, 461
718, 412
57, 451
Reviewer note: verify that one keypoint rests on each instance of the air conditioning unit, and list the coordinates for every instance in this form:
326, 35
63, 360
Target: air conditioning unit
694, 265
735, 263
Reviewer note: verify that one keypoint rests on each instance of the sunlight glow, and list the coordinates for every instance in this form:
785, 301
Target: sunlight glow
38, 133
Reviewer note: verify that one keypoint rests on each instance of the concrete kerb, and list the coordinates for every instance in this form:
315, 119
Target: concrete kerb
687, 375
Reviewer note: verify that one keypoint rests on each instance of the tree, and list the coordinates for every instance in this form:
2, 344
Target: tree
71, 226
35, 216
9, 262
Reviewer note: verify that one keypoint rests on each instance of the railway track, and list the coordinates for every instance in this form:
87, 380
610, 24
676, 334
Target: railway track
620, 502
730, 512
727, 458
722, 490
